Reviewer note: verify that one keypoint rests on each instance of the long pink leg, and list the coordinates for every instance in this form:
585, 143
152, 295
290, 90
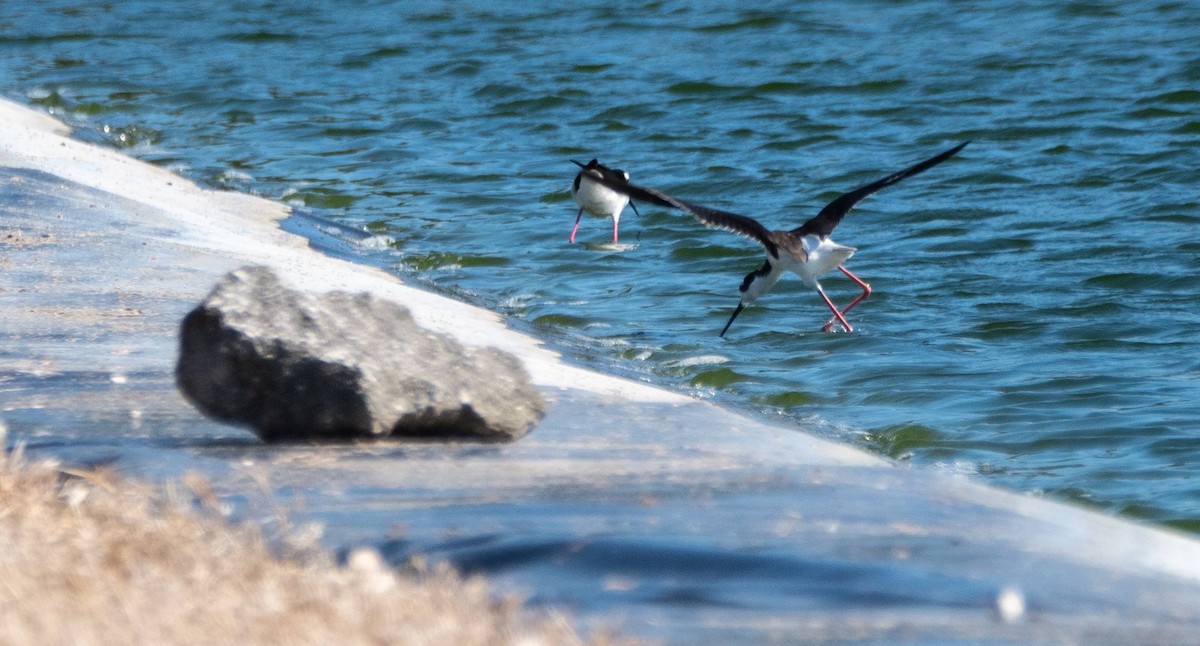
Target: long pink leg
861, 297
836, 314
865, 287
615, 230
576, 228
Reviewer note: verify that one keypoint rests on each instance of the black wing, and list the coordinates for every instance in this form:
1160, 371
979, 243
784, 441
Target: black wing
732, 222
832, 214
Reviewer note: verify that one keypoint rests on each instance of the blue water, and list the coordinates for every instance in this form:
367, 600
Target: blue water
1036, 313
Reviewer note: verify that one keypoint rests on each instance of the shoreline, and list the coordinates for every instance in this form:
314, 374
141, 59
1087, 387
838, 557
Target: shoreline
112, 252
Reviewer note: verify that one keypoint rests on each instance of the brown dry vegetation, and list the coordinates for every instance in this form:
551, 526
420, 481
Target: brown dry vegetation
92, 558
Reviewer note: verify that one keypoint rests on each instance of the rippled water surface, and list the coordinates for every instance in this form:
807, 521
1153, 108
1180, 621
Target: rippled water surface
1036, 313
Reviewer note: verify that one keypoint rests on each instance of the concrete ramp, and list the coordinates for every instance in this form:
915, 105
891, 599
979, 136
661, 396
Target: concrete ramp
629, 506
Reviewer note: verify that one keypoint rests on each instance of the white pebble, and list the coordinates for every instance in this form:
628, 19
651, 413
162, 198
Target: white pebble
1010, 605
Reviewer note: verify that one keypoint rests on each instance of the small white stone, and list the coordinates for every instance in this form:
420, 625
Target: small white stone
364, 559
75, 494
374, 574
1010, 605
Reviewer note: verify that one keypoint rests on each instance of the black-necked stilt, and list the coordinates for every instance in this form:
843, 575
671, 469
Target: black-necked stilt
806, 251
603, 192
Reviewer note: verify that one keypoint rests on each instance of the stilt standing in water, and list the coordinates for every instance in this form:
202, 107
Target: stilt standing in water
597, 190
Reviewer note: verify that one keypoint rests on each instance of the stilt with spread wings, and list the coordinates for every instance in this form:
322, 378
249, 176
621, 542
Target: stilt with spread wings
806, 251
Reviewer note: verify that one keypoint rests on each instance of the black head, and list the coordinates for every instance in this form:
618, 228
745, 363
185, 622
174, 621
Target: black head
757, 273
613, 178
746, 282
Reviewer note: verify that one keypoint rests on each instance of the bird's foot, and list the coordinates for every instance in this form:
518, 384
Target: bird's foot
828, 327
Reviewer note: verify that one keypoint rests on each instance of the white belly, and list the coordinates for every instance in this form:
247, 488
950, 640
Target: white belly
598, 199
809, 259
823, 257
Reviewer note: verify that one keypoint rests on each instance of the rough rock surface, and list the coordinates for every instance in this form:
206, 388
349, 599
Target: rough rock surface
296, 365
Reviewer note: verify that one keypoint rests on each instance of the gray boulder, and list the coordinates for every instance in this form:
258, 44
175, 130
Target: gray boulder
296, 365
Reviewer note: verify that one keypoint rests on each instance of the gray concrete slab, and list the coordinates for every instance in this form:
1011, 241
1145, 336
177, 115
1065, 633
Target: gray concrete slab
629, 505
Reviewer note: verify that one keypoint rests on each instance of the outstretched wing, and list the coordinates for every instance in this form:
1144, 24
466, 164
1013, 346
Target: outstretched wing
716, 219
739, 224
732, 222
832, 214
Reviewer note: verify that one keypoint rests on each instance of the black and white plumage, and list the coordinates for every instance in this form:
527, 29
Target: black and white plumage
603, 192
806, 251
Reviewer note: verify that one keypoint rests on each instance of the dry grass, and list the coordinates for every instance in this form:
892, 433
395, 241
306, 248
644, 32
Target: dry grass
92, 558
